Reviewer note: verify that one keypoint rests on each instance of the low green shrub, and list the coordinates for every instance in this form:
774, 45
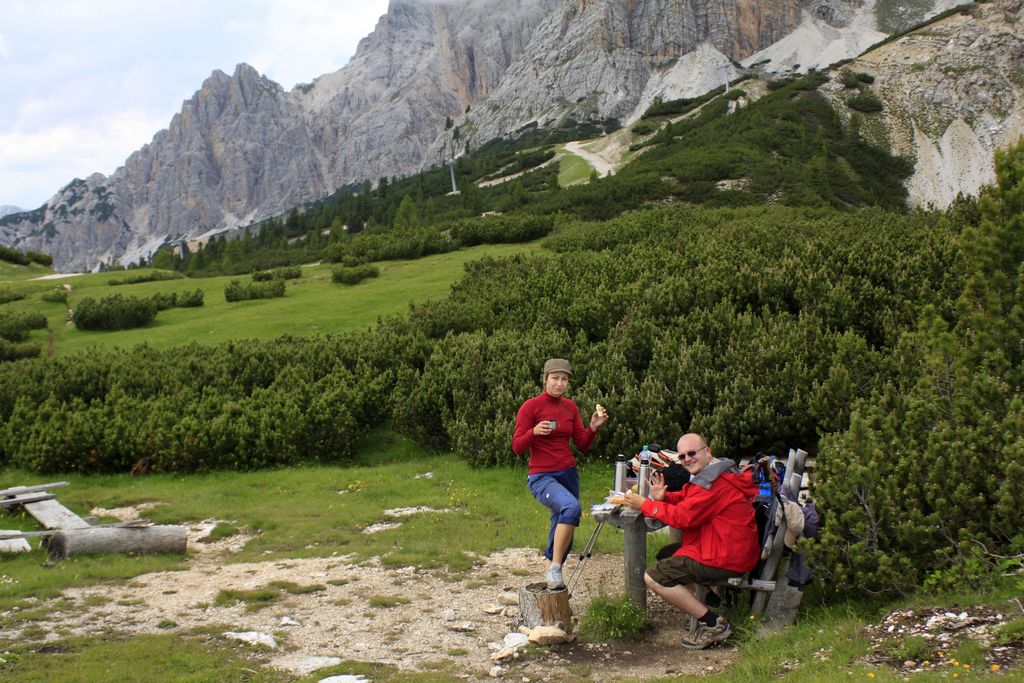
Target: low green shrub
166, 300
865, 102
501, 229
57, 295
14, 327
643, 128
192, 299
9, 295
11, 351
155, 276
114, 312
12, 255
352, 275
239, 291
285, 273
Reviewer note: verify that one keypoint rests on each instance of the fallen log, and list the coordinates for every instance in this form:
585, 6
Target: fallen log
64, 543
539, 606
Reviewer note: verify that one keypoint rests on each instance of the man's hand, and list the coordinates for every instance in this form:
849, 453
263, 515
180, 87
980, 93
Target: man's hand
658, 486
633, 500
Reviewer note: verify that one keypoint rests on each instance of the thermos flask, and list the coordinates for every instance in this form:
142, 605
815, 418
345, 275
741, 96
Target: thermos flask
620, 473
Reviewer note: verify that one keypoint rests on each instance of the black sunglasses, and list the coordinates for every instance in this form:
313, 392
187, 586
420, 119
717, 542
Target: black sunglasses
691, 454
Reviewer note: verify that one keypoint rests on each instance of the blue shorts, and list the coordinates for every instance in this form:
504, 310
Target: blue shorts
560, 493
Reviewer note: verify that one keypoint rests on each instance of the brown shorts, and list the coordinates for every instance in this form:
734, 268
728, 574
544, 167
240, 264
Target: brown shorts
681, 570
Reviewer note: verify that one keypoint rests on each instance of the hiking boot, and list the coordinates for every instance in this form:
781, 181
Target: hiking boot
706, 635
554, 577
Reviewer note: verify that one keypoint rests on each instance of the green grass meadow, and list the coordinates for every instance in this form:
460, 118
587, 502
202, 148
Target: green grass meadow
573, 170
311, 305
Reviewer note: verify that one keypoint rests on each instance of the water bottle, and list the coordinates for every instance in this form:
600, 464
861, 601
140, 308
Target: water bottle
643, 485
620, 473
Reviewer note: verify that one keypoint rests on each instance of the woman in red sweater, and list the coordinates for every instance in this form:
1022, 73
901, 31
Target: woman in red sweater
545, 424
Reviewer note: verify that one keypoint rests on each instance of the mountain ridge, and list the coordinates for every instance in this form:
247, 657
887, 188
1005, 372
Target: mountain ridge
243, 149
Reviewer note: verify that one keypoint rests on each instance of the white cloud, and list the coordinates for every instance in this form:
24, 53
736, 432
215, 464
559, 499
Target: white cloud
87, 82
49, 158
296, 41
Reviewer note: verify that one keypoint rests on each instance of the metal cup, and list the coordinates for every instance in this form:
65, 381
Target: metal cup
552, 424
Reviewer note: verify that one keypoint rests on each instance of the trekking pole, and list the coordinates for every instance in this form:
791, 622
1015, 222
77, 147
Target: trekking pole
585, 554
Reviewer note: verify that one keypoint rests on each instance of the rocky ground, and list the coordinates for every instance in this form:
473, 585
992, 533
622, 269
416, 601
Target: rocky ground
411, 618
330, 609
929, 639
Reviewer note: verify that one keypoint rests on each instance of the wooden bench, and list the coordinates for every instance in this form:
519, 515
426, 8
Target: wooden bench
67, 534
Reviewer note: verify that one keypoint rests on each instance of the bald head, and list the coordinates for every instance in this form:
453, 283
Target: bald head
696, 445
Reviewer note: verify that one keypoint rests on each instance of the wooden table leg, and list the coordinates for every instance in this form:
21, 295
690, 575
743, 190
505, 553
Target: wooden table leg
635, 552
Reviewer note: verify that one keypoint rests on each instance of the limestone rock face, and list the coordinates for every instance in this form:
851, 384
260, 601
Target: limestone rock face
611, 58
952, 95
242, 149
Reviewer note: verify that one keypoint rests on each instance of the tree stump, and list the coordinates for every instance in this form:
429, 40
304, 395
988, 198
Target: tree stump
539, 606
133, 540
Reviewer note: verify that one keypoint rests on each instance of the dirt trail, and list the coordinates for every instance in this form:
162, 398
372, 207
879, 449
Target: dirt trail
440, 619
602, 164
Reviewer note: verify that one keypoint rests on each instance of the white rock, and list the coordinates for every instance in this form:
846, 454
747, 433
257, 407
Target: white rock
548, 635
493, 609
253, 638
346, 678
509, 598
462, 627
304, 664
515, 640
496, 671
289, 621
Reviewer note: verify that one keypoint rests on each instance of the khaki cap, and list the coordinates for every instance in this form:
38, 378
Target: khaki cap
557, 365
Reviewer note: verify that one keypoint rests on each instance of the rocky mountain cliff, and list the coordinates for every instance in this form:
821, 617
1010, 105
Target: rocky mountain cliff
952, 94
243, 149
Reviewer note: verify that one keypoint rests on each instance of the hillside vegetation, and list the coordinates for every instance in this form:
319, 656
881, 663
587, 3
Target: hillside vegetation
796, 305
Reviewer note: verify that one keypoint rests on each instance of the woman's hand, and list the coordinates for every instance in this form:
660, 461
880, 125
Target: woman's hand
542, 428
599, 417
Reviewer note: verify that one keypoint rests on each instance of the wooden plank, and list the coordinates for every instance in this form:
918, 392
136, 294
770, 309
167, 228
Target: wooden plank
742, 584
53, 515
32, 489
26, 498
13, 544
134, 524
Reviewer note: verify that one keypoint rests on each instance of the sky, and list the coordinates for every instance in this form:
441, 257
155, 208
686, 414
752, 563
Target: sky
84, 83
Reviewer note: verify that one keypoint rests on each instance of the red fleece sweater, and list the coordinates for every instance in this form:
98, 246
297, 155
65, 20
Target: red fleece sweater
719, 529
550, 453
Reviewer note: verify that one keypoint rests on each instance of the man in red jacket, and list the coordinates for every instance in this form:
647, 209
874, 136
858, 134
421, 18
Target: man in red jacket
715, 513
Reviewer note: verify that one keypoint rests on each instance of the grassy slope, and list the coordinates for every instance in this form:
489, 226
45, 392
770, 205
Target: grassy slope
311, 305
